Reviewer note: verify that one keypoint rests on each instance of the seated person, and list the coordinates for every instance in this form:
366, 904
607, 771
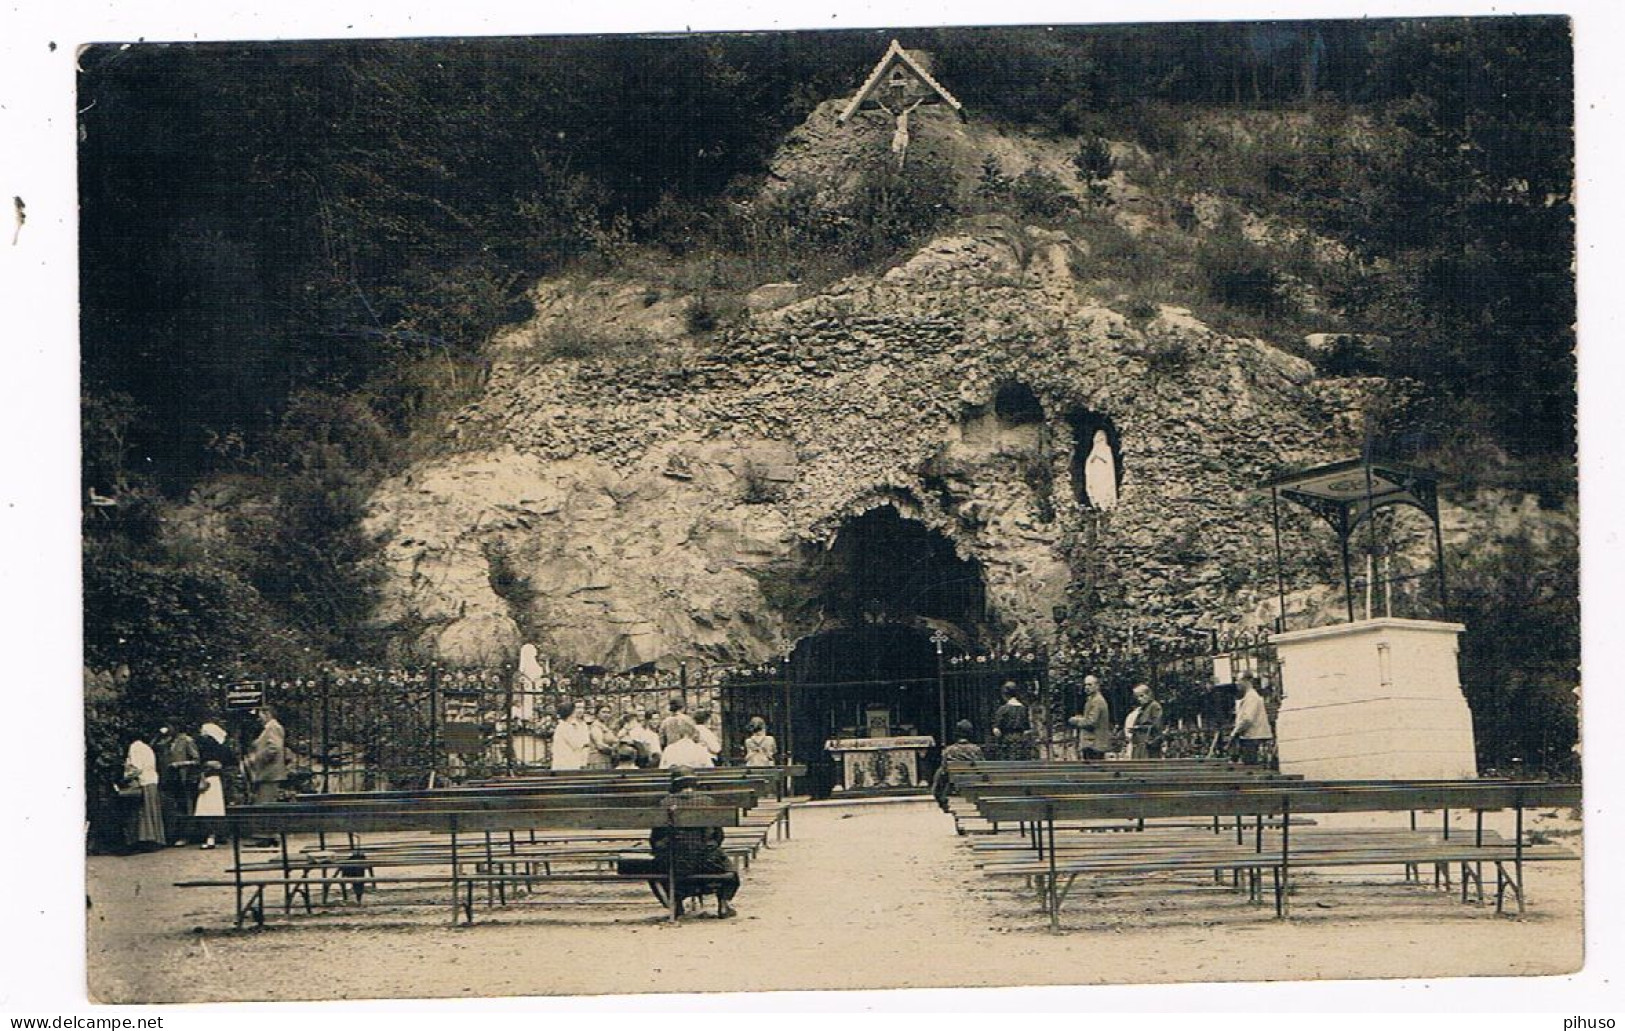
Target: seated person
963, 750
694, 850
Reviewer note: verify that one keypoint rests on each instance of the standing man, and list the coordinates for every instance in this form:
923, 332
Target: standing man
678, 718
1094, 725
572, 741
1144, 726
267, 761
1252, 729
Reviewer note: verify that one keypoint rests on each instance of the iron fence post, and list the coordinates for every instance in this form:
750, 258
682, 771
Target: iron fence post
789, 742
507, 720
939, 639
434, 722
327, 747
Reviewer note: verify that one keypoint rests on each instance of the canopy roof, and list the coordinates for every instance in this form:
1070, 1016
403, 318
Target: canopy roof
901, 72
1344, 493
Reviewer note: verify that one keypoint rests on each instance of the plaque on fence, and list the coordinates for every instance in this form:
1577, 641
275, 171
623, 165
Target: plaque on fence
463, 738
245, 696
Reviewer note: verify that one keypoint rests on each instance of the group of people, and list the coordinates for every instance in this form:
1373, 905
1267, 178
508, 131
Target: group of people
642, 739
1144, 729
179, 778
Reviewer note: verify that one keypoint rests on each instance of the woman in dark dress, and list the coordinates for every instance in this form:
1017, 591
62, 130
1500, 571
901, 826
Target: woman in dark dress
1013, 728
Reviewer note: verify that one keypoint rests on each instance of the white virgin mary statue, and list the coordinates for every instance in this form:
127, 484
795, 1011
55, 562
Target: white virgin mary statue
528, 682
1100, 474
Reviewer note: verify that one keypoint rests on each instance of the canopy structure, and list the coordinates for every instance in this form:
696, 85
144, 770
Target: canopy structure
1345, 494
899, 83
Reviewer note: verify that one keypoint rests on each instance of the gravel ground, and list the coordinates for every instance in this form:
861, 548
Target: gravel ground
863, 897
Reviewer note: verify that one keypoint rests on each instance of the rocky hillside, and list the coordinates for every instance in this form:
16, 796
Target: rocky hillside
667, 499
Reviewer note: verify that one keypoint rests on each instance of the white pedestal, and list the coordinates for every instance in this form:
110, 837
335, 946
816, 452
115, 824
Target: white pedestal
1379, 699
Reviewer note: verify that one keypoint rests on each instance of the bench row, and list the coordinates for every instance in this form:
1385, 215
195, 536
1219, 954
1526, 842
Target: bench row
1275, 807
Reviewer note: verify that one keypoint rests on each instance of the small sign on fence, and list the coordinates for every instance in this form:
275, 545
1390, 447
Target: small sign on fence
463, 738
245, 696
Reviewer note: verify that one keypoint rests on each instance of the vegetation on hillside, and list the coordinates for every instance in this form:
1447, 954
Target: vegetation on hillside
293, 253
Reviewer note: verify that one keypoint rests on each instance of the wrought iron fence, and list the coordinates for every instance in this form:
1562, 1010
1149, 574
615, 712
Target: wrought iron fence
377, 728
1190, 674
373, 728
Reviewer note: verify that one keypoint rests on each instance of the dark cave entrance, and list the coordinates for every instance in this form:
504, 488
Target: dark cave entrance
885, 587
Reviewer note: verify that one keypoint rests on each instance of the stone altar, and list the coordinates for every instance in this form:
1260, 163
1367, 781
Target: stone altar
879, 762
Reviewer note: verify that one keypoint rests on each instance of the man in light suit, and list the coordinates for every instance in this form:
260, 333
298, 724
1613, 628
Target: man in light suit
267, 761
1094, 725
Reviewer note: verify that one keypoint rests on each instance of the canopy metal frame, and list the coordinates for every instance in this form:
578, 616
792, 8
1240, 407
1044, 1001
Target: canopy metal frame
1348, 493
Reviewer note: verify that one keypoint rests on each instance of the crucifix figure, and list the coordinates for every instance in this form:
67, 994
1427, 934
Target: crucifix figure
899, 136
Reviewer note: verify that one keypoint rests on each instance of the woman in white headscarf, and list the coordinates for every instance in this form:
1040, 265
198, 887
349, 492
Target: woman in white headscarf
216, 758
146, 830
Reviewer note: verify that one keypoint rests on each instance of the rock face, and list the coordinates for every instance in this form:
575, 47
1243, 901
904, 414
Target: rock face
626, 492
666, 506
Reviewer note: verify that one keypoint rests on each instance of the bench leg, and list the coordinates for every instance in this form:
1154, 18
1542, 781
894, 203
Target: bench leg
1441, 876
255, 906
1052, 902
456, 868
1054, 880
237, 873
287, 889
1501, 881
1505, 882
1066, 889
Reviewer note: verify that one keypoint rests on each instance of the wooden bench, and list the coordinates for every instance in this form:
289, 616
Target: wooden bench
767, 780
317, 865
971, 782
1275, 852
782, 778
457, 826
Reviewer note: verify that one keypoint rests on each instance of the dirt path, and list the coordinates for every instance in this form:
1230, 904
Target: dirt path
877, 896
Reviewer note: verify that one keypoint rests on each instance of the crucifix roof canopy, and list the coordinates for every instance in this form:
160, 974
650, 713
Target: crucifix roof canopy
901, 80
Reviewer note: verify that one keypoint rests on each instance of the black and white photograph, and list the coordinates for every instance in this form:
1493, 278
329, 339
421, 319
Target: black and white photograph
906, 507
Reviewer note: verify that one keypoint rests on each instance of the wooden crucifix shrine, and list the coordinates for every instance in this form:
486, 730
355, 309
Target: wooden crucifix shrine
899, 84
